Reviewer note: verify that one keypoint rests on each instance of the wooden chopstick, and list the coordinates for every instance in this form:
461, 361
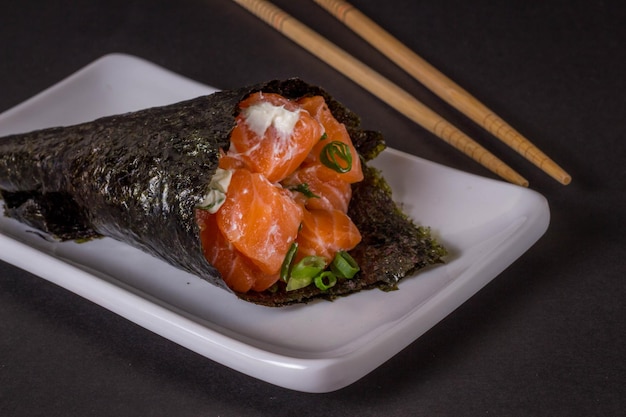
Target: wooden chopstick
441, 85
378, 85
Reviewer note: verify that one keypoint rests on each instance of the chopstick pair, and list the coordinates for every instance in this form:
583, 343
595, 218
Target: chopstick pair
399, 99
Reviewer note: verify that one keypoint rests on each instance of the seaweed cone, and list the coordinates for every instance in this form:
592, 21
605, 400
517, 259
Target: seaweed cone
138, 177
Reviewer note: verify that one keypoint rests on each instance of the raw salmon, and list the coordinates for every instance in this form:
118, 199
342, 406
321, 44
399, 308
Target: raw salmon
273, 135
334, 131
325, 232
259, 219
238, 272
280, 192
327, 194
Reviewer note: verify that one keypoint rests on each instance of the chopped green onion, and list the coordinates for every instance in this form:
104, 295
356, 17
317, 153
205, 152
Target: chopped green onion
297, 283
324, 136
308, 267
286, 265
303, 272
304, 189
344, 265
336, 156
311, 269
325, 280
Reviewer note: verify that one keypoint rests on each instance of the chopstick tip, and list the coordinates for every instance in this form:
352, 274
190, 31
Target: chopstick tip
513, 177
557, 173
565, 179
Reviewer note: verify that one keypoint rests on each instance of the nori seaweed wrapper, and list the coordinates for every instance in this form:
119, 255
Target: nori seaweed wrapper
138, 177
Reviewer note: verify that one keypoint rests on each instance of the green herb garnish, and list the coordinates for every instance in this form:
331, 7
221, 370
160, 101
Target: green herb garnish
336, 156
325, 280
285, 268
344, 265
313, 270
303, 272
304, 189
309, 267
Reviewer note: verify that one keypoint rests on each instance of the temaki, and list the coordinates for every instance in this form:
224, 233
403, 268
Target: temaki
264, 191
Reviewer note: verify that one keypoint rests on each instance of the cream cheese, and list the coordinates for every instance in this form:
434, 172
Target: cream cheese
216, 192
259, 117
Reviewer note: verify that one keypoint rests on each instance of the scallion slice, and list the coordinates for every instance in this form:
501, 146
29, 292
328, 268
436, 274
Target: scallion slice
336, 156
303, 272
297, 283
325, 280
344, 265
309, 267
285, 268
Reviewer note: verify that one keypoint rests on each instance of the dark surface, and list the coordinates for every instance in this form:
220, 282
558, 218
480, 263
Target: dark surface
546, 337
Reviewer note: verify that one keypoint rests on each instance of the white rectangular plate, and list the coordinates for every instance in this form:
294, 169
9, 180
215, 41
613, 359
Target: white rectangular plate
485, 224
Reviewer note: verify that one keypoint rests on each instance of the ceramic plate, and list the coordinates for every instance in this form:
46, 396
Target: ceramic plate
319, 347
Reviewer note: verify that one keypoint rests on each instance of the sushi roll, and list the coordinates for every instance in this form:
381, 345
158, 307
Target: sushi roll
264, 191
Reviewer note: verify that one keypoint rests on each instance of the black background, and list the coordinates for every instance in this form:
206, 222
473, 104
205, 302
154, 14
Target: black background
546, 337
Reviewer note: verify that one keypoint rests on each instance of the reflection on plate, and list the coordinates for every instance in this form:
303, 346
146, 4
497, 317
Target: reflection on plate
486, 225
